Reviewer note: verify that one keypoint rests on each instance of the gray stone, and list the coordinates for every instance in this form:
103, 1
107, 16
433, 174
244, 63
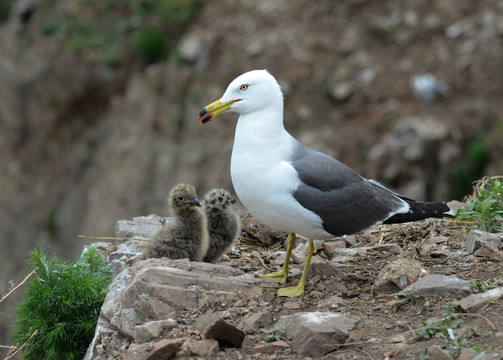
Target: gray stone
475, 302
476, 238
439, 285
326, 269
107, 343
140, 227
153, 288
490, 250
205, 348
191, 46
271, 347
351, 252
398, 274
255, 321
316, 333
488, 356
436, 353
332, 302
152, 329
391, 248
335, 287
159, 350
215, 327
330, 246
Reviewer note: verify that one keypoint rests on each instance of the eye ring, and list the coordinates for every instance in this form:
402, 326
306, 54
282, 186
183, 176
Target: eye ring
243, 87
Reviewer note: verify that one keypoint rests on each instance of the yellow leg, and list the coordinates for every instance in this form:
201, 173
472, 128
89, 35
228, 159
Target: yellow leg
299, 289
280, 276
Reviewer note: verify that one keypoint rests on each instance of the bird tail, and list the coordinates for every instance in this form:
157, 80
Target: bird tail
420, 211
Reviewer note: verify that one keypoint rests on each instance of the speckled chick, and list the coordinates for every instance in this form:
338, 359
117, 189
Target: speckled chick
224, 225
186, 233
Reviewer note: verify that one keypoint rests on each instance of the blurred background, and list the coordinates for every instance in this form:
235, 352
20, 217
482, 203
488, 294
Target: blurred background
99, 102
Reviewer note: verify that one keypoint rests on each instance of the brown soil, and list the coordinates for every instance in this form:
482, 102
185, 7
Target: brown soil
386, 328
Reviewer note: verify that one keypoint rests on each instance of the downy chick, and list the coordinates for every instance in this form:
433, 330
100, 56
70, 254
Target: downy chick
186, 233
224, 225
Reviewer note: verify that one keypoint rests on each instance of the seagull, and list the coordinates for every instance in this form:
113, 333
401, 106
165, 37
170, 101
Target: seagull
224, 225
293, 188
186, 234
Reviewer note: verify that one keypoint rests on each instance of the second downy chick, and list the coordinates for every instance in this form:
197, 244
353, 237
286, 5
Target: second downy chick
186, 233
224, 225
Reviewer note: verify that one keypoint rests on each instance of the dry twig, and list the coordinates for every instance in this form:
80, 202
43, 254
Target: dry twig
21, 283
9, 356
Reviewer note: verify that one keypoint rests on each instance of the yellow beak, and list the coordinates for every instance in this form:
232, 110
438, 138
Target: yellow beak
214, 109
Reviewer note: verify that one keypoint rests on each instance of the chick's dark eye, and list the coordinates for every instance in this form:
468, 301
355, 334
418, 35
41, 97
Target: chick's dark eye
180, 198
243, 87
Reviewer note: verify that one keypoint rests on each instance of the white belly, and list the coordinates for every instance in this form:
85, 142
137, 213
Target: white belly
265, 187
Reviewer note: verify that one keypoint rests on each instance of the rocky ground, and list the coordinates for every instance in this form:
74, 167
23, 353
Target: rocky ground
363, 299
84, 144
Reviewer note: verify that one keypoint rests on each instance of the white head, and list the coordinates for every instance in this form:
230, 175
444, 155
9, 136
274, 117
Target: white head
250, 92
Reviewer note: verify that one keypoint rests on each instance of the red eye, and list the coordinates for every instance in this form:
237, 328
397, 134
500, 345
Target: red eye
243, 87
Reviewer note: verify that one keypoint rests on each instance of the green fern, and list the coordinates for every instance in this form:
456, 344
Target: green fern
61, 305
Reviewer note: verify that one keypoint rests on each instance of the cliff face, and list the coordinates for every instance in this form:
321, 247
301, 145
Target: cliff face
84, 142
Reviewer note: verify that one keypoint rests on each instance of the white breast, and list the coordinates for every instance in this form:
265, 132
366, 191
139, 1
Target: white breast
265, 182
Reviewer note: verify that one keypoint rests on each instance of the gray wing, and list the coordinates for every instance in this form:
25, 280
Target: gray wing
345, 201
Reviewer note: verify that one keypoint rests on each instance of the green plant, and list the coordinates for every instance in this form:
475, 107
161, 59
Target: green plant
486, 209
103, 31
151, 44
444, 327
273, 334
61, 306
433, 326
403, 297
478, 286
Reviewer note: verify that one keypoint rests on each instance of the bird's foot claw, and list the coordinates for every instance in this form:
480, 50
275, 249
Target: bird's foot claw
291, 291
279, 277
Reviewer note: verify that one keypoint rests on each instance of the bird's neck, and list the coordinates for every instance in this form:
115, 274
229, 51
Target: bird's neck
188, 215
260, 131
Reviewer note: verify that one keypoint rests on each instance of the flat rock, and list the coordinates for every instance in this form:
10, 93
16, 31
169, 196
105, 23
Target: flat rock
326, 269
316, 333
140, 227
490, 250
152, 329
439, 285
487, 355
435, 352
391, 248
435, 247
214, 326
130, 237
399, 274
475, 302
330, 246
255, 321
271, 347
351, 252
159, 350
152, 289
332, 302
476, 238
205, 348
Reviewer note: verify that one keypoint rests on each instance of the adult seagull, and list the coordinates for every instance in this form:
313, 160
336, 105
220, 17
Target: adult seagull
294, 188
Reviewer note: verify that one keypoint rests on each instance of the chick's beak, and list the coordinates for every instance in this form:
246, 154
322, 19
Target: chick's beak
214, 109
194, 202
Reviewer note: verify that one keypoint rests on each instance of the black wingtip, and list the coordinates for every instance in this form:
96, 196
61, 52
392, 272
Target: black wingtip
420, 211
